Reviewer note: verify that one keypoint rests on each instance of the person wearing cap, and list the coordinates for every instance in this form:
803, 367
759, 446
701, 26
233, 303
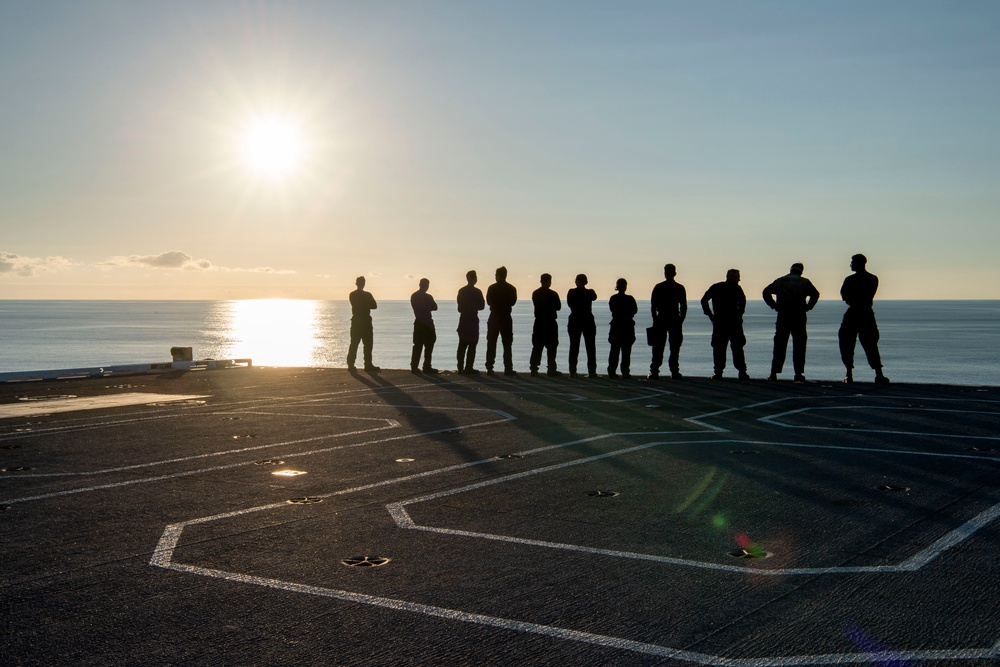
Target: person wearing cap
792, 296
858, 292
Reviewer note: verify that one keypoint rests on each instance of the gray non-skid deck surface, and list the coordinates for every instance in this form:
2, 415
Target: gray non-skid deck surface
156, 532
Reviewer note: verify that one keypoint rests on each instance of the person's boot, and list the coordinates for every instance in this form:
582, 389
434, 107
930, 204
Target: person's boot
879, 378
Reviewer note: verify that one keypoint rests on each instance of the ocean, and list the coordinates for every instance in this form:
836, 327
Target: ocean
947, 342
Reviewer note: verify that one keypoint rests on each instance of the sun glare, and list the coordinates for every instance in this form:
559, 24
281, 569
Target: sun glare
273, 146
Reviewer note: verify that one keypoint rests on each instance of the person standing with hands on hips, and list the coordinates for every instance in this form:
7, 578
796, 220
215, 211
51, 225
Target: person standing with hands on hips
795, 297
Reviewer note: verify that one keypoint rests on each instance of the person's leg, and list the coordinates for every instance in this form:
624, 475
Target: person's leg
507, 336
847, 337
676, 339
613, 356
470, 358
781, 332
659, 343
352, 350
574, 347
552, 346
492, 332
738, 341
719, 342
627, 357
869, 335
590, 341
367, 340
799, 339
430, 337
462, 347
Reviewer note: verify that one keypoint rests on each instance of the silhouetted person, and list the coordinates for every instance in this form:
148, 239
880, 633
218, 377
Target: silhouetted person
470, 302
669, 306
858, 291
581, 323
621, 335
545, 333
795, 297
501, 297
728, 303
362, 305
424, 334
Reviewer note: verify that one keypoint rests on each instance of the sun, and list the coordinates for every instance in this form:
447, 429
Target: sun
272, 146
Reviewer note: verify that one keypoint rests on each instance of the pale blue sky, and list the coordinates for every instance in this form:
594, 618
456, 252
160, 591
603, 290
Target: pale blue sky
567, 137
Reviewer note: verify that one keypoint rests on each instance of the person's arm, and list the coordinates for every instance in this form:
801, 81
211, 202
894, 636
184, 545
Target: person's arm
371, 301
768, 298
813, 297
434, 305
741, 300
684, 303
704, 304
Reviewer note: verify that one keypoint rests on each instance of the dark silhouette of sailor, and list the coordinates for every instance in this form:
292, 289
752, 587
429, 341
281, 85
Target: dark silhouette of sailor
470, 302
728, 303
669, 307
581, 323
545, 333
500, 297
621, 335
362, 305
858, 291
424, 334
792, 296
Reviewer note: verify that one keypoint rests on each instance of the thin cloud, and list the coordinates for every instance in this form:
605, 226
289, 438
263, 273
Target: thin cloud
30, 266
178, 260
172, 259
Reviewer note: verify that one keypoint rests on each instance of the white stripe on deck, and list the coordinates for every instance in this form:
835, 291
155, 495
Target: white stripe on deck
46, 407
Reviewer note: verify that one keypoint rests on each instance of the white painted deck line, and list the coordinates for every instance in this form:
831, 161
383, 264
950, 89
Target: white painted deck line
47, 407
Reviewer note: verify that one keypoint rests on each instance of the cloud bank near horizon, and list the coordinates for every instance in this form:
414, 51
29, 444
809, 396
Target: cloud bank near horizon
171, 260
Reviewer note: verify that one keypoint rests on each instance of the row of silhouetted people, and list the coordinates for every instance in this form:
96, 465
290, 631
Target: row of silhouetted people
791, 296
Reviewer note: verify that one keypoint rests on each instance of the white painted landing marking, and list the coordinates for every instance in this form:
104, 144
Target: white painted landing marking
163, 557
27, 409
144, 480
773, 420
953, 538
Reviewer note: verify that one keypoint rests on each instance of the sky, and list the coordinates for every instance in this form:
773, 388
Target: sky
424, 138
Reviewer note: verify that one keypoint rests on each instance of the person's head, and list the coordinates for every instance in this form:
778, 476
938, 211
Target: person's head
858, 262
545, 280
669, 271
360, 282
501, 274
581, 280
621, 285
733, 276
472, 277
797, 268
424, 284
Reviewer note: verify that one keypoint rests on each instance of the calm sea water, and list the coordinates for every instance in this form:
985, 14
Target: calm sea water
922, 341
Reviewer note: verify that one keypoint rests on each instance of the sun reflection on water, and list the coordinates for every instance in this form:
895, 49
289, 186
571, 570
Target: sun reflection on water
273, 332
